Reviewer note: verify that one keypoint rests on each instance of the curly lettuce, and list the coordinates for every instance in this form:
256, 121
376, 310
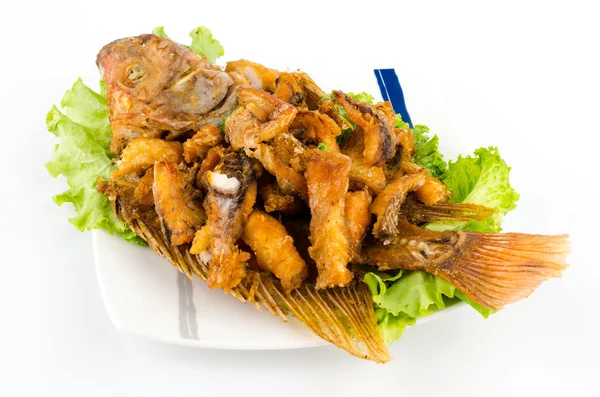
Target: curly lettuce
480, 179
203, 42
426, 152
82, 156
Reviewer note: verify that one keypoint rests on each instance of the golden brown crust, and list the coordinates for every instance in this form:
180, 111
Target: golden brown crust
289, 89
358, 219
375, 125
254, 75
327, 178
259, 118
289, 180
196, 148
141, 154
360, 172
274, 200
179, 214
386, 206
274, 249
433, 191
315, 127
143, 191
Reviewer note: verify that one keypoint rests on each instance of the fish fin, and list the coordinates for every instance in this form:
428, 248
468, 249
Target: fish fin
418, 212
344, 317
498, 269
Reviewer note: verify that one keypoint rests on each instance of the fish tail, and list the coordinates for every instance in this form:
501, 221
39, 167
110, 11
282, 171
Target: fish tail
498, 269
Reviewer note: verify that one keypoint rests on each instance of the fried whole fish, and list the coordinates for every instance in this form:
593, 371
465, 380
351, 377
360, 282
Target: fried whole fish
158, 88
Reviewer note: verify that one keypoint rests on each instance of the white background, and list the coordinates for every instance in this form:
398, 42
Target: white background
522, 76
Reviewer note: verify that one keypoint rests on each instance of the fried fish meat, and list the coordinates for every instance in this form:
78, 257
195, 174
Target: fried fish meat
274, 249
327, 178
175, 203
259, 118
141, 154
231, 192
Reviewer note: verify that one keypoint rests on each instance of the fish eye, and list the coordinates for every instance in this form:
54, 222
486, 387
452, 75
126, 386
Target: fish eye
135, 72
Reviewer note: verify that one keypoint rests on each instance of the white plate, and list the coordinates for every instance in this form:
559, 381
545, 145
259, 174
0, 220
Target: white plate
144, 294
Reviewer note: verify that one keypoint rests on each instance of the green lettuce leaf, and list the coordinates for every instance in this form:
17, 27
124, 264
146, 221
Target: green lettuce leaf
82, 156
401, 124
392, 327
482, 179
204, 44
160, 32
403, 298
362, 96
426, 152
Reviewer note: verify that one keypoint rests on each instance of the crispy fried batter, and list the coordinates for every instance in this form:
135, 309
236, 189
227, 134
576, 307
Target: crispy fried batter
274, 249
387, 204
358, 219
315, 127
141, 154
433, 191
289, 180
375, 125
312, 93
289, 89
231, 196
259, 118
327, 177
371, 176
198, 146
213, 158
274, 200
289, 150
143, 191
179, 214
250, 74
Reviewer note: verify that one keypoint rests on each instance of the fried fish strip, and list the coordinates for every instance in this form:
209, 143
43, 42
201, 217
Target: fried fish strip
327, 177
274, 249
231, 195
433, 191
315, 127
386, 205
275, 200
375, 125
259, 118
289, 180
198, 146
289, 89
179, 214
371, 176
143, 191
254, 75
141, 154
358, 219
